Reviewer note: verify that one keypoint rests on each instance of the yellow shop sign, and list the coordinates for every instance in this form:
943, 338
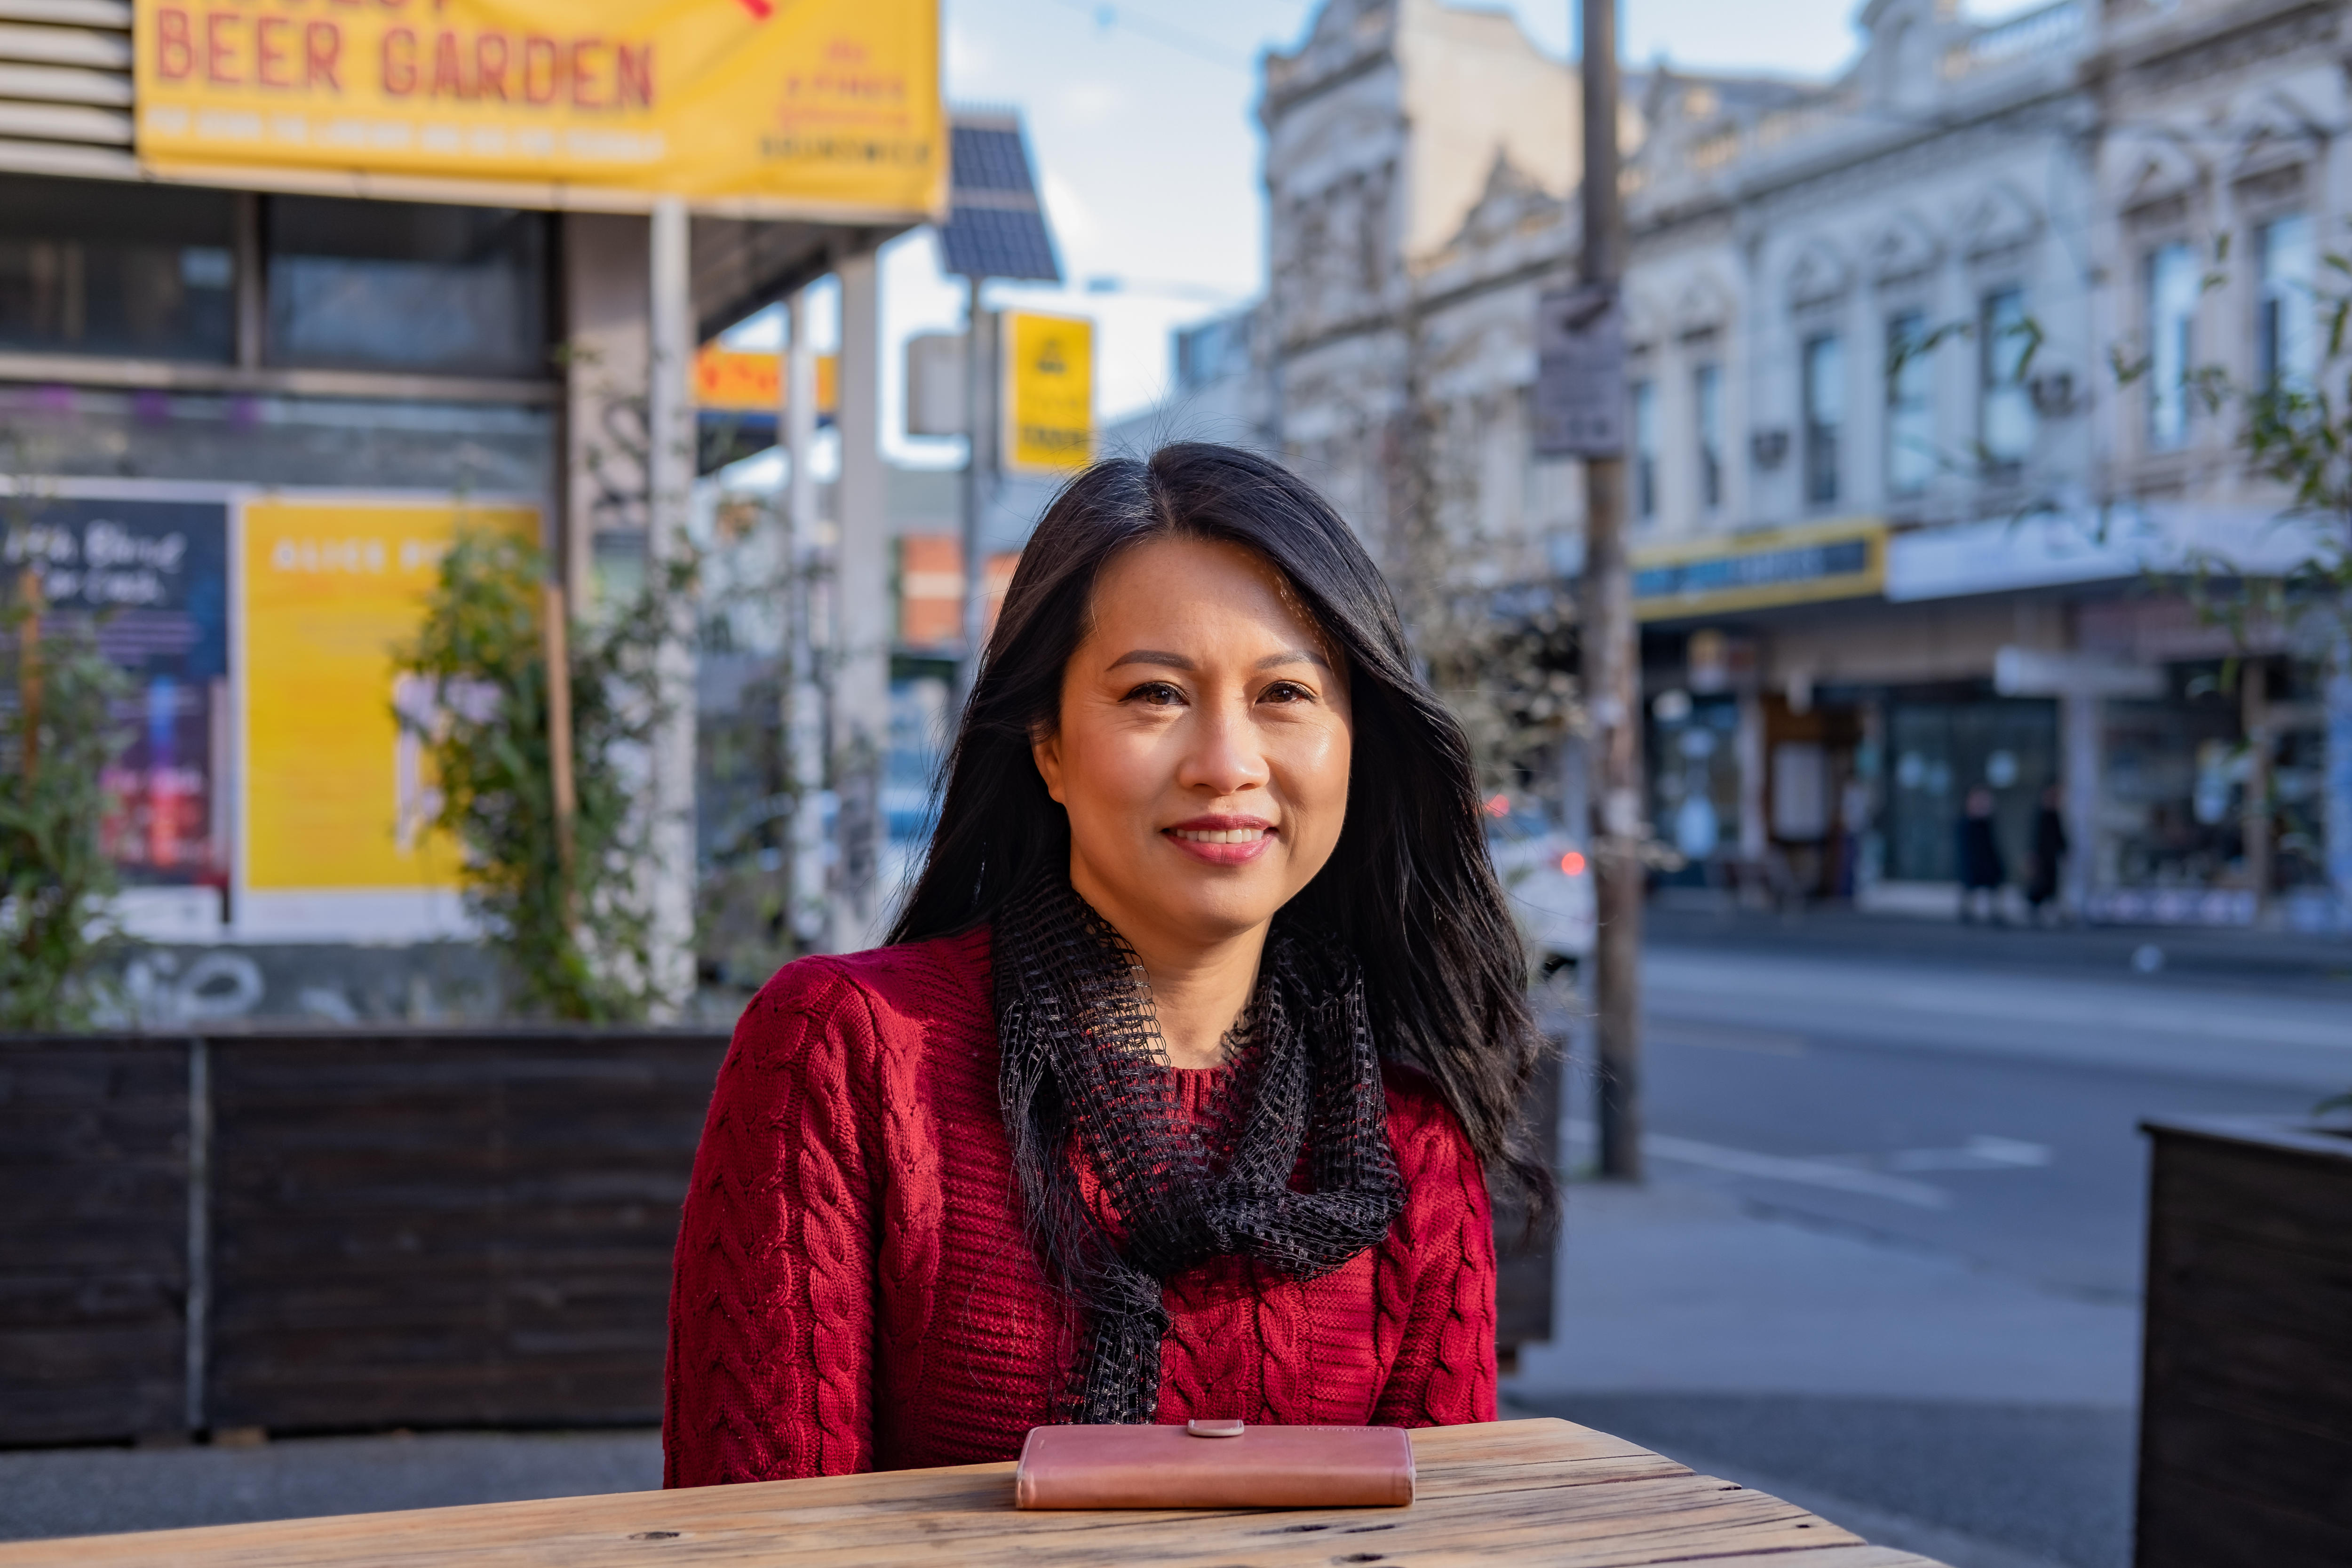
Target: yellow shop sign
830, 103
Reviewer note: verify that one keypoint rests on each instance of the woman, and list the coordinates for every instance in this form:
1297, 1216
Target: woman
1175, 1093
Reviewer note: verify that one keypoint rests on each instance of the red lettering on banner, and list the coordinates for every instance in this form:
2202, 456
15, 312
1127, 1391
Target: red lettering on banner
543, 69
175, 46
448, 67
634, 75
491, 66
584, 78
322, 54
220, 52
397, 68
268, 56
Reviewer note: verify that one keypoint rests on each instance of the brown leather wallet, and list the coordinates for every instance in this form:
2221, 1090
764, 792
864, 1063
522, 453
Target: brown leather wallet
1214, 1464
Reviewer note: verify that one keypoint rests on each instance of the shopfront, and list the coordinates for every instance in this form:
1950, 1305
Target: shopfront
266, 344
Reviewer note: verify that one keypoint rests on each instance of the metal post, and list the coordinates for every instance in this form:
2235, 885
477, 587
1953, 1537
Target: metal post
863, 618
805, 724
197, 1320
2254, 820
1611, 658
669, 418
976, 433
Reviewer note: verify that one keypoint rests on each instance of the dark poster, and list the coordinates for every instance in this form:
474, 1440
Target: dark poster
150, 579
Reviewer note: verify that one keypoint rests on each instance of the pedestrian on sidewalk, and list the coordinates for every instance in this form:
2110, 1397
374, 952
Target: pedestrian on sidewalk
1208, 905
2049, 856
1981, 869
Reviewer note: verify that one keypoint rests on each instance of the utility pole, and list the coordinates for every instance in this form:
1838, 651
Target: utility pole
977, 431
1611, 648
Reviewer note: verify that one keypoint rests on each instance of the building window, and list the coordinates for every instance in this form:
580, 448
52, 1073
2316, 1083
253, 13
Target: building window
1706, 393
398, 286
1910, 410
1645, 450
2004, 405
2172, 289
2286, 336
93, 267
1824, 400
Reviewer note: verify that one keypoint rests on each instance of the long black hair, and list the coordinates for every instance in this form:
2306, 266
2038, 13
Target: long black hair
1409, 887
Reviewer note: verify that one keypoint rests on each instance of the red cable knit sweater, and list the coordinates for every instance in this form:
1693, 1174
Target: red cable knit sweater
855, 1289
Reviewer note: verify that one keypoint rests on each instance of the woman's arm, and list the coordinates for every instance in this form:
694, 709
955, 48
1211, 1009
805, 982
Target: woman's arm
769, 1371
1440, 1300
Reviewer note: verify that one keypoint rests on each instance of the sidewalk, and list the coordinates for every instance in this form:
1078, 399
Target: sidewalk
1972, 1418
92, 1492
2187, 954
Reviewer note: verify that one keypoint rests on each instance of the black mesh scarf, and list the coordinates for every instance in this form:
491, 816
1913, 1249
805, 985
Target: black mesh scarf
1083, 1059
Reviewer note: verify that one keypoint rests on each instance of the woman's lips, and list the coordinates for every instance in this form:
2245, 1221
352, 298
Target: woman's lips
1222, 840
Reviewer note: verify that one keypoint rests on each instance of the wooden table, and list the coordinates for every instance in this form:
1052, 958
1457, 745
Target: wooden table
1510, 1493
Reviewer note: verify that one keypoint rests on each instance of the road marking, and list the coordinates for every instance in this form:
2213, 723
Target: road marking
1727, 1037
1981, 1152
1781, 1168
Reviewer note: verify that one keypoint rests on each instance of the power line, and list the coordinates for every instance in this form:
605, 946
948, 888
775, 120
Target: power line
1109, 17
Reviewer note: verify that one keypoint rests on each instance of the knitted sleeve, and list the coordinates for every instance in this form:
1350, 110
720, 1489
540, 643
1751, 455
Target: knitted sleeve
1438, 1296
770, 1368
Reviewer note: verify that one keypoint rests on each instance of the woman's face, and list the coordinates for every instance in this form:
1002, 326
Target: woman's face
1203, 747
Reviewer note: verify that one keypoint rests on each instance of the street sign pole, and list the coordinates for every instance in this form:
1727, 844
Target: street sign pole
975, 565
1610, 642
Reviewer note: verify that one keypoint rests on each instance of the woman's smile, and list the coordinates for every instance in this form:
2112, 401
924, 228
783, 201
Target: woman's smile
1222, 840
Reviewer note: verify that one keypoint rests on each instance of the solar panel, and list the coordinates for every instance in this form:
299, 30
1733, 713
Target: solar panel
995, 227
986, 158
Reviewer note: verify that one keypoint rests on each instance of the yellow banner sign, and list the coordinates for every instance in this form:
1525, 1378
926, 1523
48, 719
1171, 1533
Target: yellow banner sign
834, 103
1843, 559
1050, 413
337, 794
733, 381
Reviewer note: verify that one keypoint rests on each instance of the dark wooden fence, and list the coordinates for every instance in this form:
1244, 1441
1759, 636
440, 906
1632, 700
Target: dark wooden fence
358, 1230
94, 1225
2246, 1402
346, 1230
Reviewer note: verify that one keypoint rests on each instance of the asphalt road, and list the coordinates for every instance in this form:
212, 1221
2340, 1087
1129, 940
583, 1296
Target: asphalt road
1888, 1260
1989, 1115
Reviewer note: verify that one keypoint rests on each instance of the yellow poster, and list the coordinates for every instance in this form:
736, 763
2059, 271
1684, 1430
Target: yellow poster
731, 381
337, 795
1050, 414
830, 103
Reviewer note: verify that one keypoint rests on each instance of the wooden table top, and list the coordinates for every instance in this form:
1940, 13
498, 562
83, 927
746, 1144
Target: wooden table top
1510, 1493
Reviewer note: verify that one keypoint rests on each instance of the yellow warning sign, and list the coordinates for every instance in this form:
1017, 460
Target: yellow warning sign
1049, 413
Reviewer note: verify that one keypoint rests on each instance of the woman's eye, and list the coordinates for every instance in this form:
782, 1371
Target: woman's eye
1287, 691
1156, 694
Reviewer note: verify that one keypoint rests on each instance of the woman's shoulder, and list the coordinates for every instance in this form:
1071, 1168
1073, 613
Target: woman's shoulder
922, 987
1421, 1124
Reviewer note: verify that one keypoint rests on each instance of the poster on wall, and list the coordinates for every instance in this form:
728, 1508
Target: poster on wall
149, 580
828, 106
338, 799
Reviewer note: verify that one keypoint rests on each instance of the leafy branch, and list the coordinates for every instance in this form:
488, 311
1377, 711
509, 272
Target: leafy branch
57, 732
559, 894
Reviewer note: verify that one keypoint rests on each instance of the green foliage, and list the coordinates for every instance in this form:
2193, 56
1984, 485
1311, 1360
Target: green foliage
57, 733
576, 933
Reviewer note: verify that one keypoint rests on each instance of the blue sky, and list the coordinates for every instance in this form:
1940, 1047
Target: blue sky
1139, 118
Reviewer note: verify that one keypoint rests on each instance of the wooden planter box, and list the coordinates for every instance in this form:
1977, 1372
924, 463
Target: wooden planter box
360, 1229
2246, 1396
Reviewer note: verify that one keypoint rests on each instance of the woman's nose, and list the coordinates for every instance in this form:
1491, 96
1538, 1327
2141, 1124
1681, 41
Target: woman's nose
1224, 756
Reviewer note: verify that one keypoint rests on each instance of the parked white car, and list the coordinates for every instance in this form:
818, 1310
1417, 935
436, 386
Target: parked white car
1549, 879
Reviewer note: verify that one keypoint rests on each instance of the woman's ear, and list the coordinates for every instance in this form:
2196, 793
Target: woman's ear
1045, 750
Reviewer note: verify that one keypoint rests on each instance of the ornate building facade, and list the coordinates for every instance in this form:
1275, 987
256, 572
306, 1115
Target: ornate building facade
1917, 356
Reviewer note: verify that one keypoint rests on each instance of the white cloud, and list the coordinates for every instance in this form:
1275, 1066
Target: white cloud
971, 64
1089, 103
1078, 233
